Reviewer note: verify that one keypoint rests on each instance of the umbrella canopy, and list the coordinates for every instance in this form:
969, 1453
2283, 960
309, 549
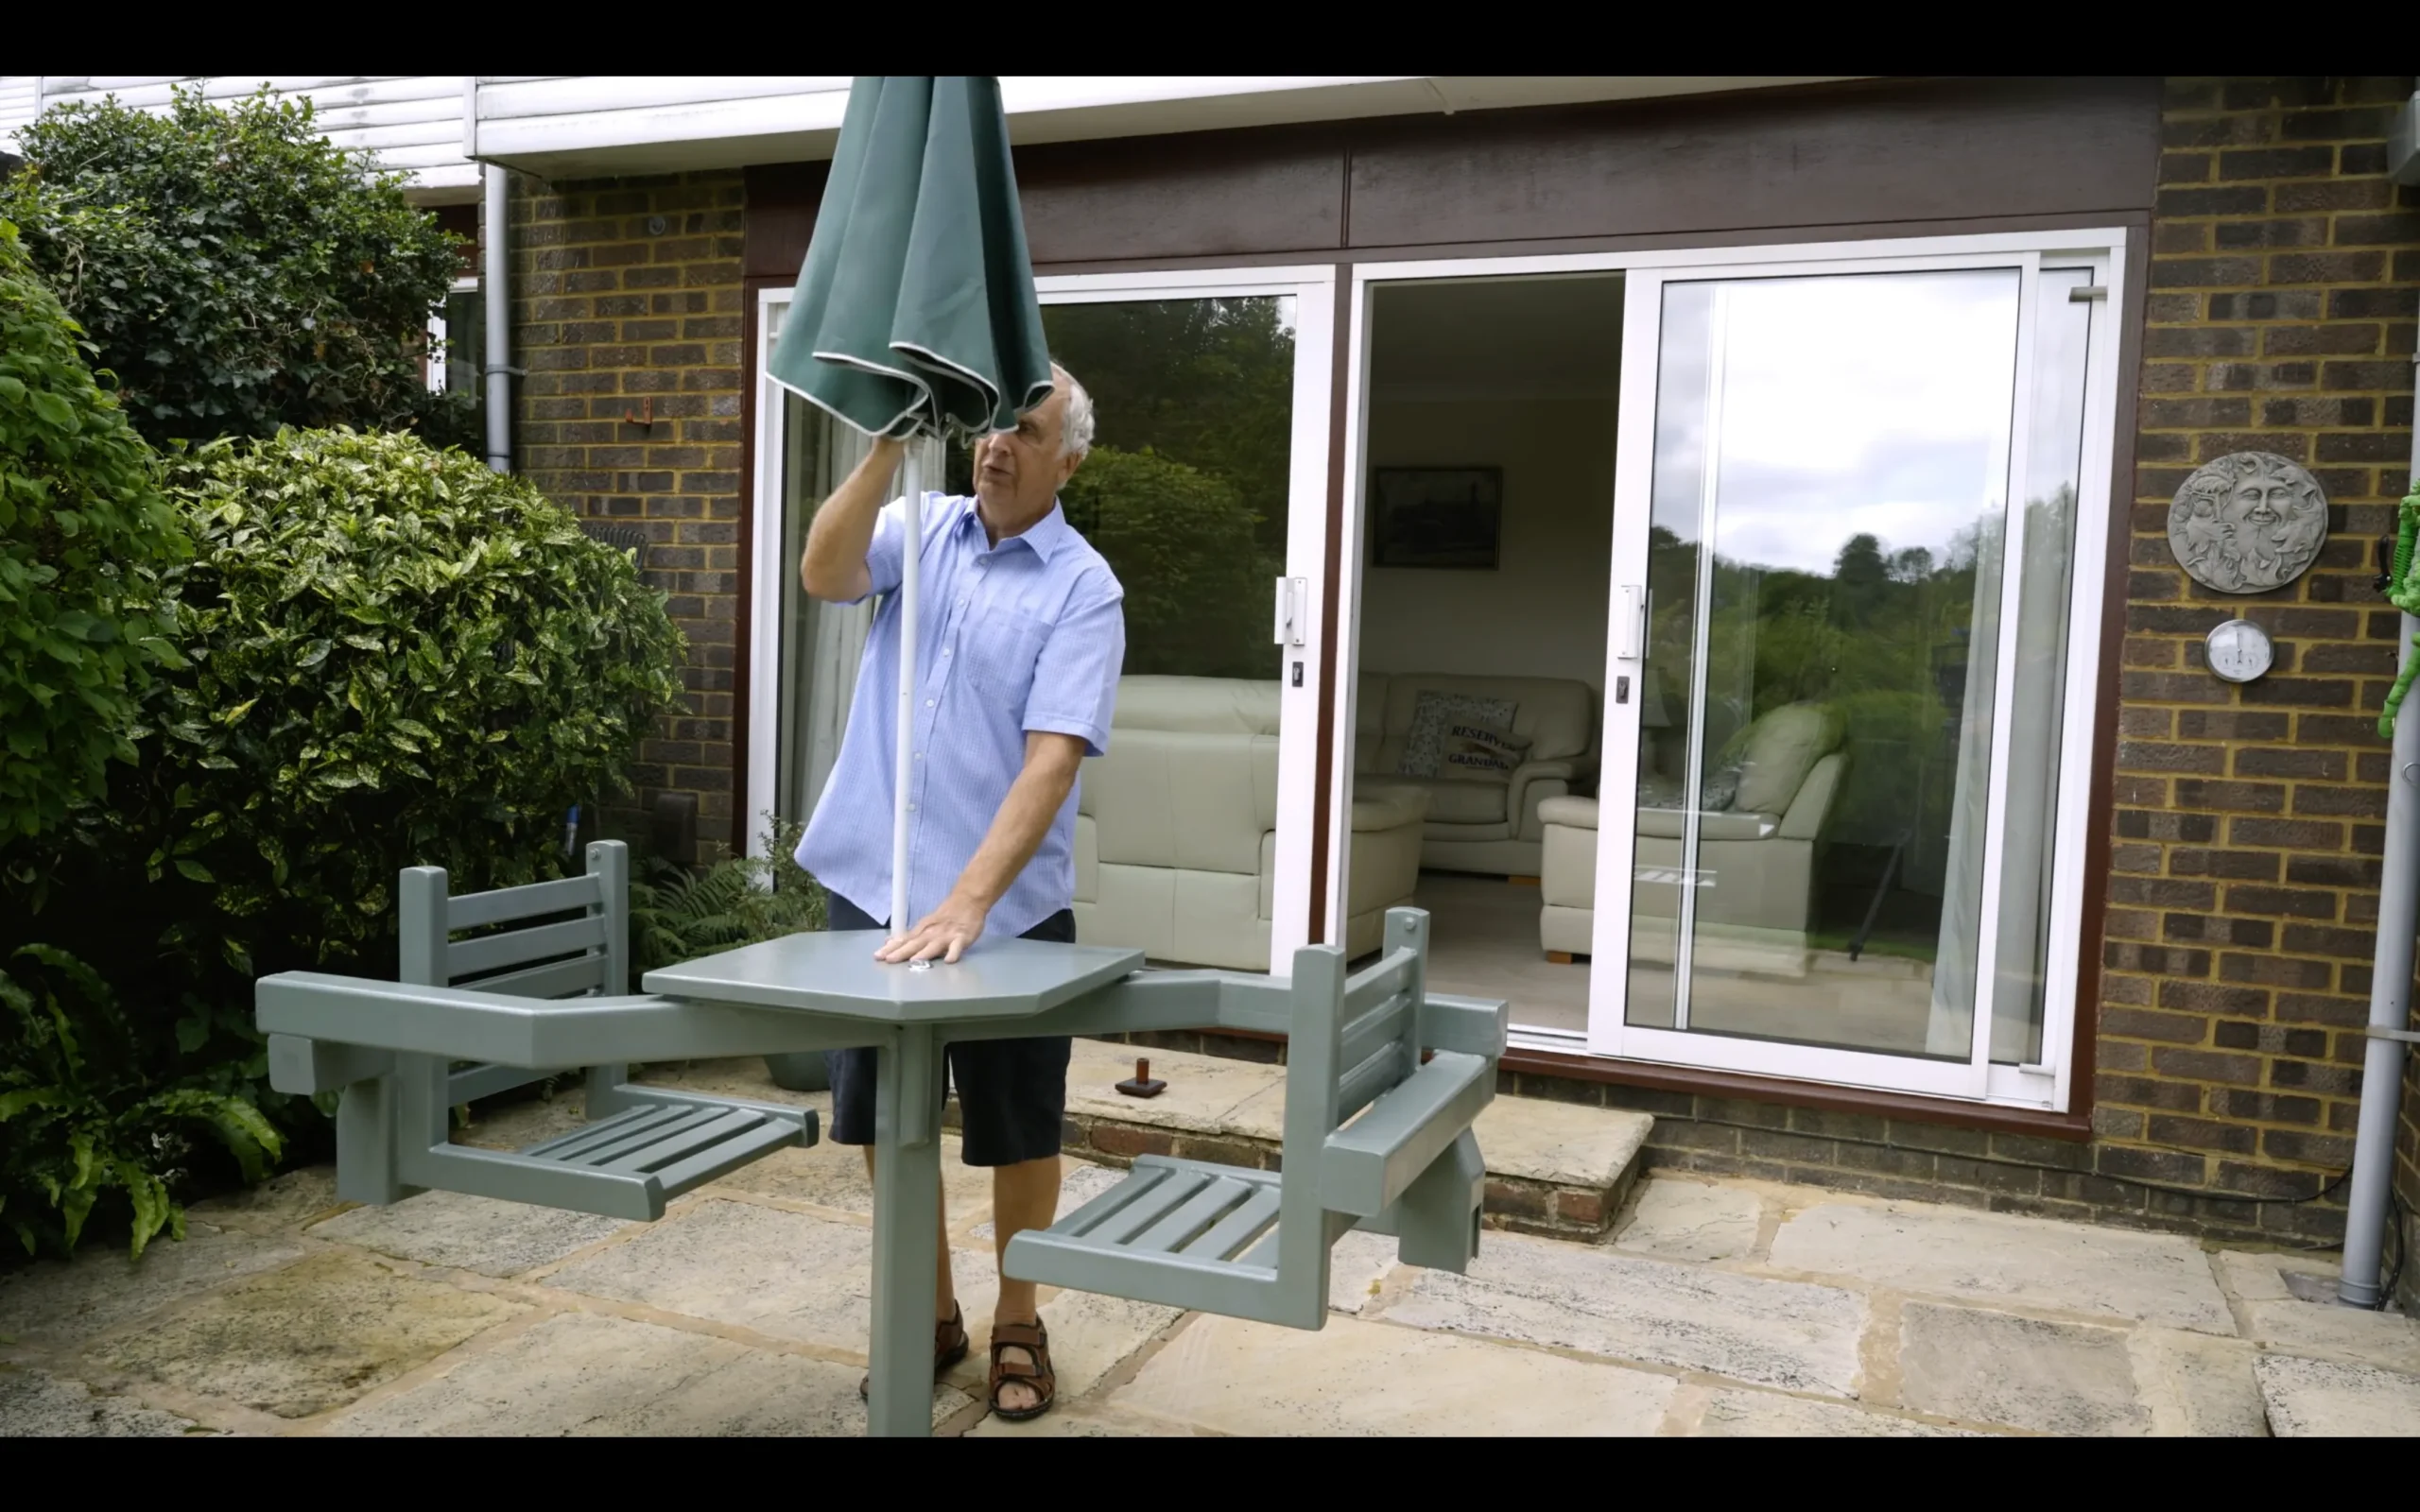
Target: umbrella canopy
915, 314
914, 311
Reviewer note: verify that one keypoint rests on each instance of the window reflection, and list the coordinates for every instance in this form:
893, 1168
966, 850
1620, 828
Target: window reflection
1812, 806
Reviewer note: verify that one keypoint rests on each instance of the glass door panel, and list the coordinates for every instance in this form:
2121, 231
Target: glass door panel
1848, 746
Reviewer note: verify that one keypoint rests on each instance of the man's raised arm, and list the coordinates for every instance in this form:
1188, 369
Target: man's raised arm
833, 567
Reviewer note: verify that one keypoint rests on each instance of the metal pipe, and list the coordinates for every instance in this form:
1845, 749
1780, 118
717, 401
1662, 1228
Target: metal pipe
2368, 1202
497, 392
903, 759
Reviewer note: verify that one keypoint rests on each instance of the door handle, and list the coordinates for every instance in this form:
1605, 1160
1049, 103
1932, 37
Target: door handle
1293, 599
1634, 622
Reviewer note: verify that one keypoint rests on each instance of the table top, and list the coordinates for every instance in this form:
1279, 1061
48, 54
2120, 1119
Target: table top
837, 974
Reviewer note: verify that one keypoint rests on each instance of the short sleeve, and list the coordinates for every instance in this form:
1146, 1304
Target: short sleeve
1075, 680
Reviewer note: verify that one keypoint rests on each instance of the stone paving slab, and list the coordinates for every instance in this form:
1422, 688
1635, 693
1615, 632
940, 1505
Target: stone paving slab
2197, 1386
280, 1207
2260, 1275
2330, 1332
307, 1338
1790, 1334
2161, 1279
36, 1404
834, 1176
1527, 1137
784, 1274
1201, 1090
1735, 1413
2328, 1398
1087, 1421
1994, 1367
1693, 1221
65, 1302
469, 1233
1359, 1379
581, 1375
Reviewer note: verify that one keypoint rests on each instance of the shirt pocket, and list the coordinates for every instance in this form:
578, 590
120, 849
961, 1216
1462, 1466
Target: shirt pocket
998, 650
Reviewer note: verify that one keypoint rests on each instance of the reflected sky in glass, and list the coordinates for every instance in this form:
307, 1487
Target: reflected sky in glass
1862, 404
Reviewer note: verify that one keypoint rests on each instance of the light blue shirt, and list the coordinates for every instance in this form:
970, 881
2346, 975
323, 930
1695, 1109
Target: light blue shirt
1025, 636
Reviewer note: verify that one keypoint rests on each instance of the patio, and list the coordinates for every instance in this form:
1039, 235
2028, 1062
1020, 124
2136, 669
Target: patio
1715, 1309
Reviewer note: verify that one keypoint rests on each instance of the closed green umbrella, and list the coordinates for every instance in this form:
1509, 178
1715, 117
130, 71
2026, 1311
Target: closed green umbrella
914, 313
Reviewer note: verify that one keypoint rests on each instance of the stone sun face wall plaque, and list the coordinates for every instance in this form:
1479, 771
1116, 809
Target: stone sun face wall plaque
2247, 522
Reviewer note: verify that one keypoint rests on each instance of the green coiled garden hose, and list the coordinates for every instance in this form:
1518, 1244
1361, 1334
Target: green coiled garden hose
2404, 593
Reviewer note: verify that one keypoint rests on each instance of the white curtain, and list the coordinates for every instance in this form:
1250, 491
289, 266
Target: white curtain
1951, 1031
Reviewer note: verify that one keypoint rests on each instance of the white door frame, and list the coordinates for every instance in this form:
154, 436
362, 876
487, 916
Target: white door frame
2048, 1085
1313, 289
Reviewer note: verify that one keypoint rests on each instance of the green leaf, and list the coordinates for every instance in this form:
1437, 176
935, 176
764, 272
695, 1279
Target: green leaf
194, 870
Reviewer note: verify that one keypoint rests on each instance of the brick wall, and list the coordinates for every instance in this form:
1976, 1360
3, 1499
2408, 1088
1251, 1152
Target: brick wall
2242, 896
627, 314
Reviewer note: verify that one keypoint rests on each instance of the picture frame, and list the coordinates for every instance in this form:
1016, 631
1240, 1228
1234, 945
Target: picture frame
1444, 518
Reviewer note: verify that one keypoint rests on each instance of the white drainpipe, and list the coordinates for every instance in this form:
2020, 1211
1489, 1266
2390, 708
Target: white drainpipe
2370, 1202
498, 388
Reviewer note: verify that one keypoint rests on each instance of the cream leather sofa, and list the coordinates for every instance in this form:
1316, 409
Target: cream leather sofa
1176, 842
1473, 825
1756, 857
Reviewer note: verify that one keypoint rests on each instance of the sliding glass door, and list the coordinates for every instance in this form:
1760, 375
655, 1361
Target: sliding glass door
1842, 764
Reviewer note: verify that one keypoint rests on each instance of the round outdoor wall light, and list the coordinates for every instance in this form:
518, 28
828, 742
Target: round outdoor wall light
2238, 651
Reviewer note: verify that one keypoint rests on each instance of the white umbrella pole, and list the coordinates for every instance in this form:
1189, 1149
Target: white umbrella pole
911, 476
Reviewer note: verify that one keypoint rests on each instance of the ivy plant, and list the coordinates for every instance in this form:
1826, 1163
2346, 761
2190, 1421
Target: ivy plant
83, 520
237, 269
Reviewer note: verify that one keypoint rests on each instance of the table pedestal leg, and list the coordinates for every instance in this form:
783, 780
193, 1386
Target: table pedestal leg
907, 1234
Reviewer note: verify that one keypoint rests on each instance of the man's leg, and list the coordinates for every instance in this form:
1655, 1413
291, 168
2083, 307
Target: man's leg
1011, 1099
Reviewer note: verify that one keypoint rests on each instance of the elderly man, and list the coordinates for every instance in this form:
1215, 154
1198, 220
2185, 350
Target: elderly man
1019, 639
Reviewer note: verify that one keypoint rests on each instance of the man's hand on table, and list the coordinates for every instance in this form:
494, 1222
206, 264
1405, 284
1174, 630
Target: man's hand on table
944, 935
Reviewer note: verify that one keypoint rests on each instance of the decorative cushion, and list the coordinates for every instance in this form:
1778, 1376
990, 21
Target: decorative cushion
1482, 752
1423, 746
1780, 750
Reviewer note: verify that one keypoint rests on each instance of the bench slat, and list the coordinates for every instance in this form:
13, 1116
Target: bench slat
1366, 1167
464, 957
1081, 1222
1366, 1033
608, 1154
1379, 983
474, 909
572, 1145
1227, 1238
727, 1155
683, 1143
1198, 1211
1164, 1194
1360, 1086
555, 979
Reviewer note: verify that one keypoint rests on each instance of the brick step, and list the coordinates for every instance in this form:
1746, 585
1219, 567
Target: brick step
1552, 1168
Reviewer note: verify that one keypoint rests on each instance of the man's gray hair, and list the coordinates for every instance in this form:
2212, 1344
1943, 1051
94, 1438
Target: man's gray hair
1076, 421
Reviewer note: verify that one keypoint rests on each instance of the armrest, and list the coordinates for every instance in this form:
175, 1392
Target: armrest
1570, 812
1808, 809
1382, 806
1532, 784
1365, 1167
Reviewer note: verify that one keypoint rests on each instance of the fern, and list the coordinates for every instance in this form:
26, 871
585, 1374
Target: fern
677, 915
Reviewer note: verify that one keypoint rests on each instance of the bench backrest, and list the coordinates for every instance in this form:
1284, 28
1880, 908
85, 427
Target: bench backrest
1355, 1037
566, 957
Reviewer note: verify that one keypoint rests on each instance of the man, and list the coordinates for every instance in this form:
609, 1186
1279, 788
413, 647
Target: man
1019, 639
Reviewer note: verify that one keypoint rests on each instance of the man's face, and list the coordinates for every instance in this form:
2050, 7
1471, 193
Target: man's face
2263, 501
1018, 473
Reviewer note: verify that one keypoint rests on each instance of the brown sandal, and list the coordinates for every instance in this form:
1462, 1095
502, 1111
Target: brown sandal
1039, 1375
949, 1347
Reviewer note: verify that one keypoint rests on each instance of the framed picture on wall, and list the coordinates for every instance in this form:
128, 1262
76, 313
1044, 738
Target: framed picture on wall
1450, 517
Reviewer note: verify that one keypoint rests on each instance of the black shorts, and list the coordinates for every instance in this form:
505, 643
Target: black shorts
1012, 1094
